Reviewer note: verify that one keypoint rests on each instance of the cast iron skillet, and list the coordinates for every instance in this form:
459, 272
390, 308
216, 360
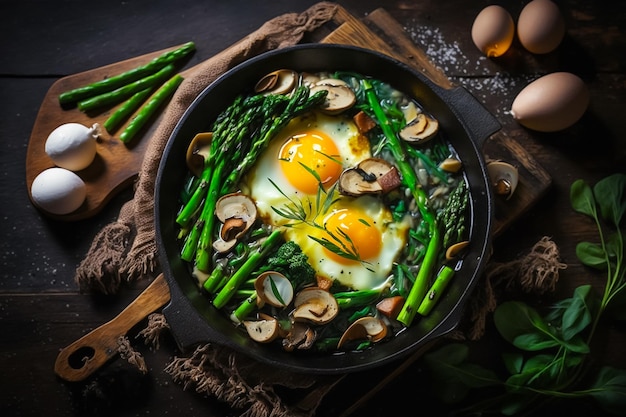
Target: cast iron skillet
466, 123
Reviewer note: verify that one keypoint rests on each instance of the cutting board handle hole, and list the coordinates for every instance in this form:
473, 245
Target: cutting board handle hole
81, 356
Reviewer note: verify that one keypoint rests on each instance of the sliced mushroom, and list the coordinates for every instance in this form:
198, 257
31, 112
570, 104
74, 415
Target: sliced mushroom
410, 111
455, 250
198, 151
264, 330
370, 328
281, 81
452, 165
340, 96
274, 289
421, 129
199, 276
300, 336
315, 305
504, 178
309, 79
237, 212
370, 176
221, 246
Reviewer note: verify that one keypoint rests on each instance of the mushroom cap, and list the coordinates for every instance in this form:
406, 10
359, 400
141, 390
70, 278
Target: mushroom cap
452, 165
504, 178
368, 327
315, 305
281, 81
264, 330
197, 151
274, 289
340, 96
300, 336
237, 212
370, 176
420, 129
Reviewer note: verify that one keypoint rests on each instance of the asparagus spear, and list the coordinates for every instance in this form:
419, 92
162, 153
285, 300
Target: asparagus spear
434, 293
299, 103
151, 106
253, 261
452, 218
418, 290
235, 135
220, 134
125, 110
122, 93
271, 115
119, 80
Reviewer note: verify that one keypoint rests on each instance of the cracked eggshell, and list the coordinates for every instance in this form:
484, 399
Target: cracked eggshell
551, 103
58, 191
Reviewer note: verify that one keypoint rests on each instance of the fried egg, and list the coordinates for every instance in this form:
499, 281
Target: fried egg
314, 148
292, 184
355, 243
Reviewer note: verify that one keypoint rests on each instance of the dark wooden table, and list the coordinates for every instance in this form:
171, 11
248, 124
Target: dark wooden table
41, 309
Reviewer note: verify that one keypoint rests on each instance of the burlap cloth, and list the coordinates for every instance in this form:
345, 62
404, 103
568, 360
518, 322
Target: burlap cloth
125, 250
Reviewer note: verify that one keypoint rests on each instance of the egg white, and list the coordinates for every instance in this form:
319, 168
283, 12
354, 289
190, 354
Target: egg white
274, 196
360, 274
266, 183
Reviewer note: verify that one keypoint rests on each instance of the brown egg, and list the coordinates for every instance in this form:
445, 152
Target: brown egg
493, 30
550, 103
540, 27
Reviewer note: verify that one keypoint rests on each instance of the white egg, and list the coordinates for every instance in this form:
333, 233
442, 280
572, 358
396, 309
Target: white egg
72, 146
367, 241
58, 191
313, 148
285, 185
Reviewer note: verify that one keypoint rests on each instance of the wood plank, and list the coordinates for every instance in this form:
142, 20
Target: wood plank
395, 38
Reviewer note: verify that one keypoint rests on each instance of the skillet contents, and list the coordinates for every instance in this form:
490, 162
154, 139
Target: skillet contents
323, 211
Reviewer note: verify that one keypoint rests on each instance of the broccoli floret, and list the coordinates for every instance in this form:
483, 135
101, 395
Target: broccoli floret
290, 261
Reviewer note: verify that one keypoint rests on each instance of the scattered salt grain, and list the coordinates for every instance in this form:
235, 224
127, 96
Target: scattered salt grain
477, 76
448, 56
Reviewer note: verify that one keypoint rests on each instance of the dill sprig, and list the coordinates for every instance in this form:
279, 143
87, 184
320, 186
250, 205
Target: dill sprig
302, 211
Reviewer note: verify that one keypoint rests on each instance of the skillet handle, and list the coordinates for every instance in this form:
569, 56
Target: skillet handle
89, 353
480, 123
188, 326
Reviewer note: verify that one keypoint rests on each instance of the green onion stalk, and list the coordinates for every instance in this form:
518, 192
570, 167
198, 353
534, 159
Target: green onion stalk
419, 288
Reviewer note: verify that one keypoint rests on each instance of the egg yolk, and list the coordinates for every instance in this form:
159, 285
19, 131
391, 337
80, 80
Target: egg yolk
354, 233
308, 159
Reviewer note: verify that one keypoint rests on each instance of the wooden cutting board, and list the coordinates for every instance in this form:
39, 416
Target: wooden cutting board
117, 165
